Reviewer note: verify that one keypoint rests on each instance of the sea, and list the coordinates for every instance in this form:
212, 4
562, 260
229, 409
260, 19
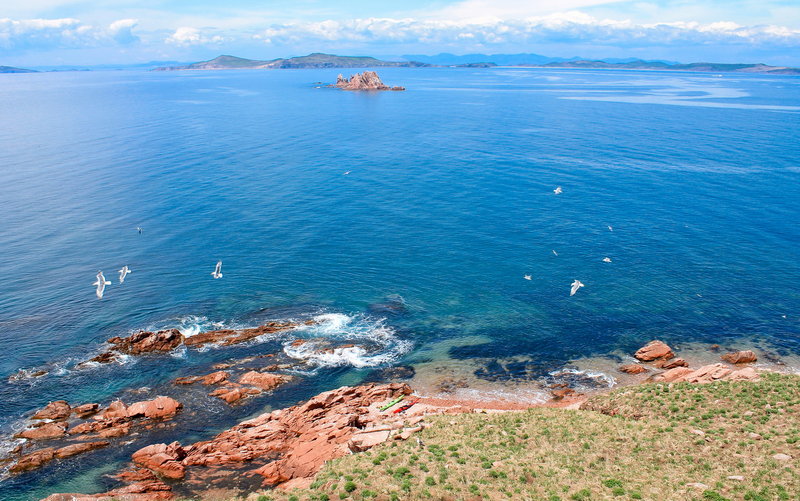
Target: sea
402, 223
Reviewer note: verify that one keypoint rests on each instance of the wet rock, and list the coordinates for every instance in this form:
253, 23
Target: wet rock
561, 393
45, 432
208, 380
391, 374
56, 411
740, 357
227, 337
116, 409
632, 369
158, 408
450, 384
654, 350
148, 342
232, 394
671, 364
86, 410
162, 459
392, 305
33, 460
75, 449
263, 381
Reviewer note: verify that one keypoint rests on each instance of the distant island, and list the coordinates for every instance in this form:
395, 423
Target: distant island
658, 65
369, 80
11, 69
315, 60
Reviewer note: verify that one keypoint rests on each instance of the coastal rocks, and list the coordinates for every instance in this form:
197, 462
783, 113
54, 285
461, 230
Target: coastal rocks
632, 369
45, 432
55, 411
162, 459
740, 357
158, 408
86, 410
654, 350
148, 342
209, 379
250, 383
75, 449
232, 394
706, 374
369, 80
36, 459
261, 380
673, 375
227, 337
671, 364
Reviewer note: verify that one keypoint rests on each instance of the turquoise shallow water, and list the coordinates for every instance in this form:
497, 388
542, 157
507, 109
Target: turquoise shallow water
449, 202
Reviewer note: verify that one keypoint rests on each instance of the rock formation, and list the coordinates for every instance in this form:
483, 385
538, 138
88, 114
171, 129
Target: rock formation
369, 80
740, 357
654, 350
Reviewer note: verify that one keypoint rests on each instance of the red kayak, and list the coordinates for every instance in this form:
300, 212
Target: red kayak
405, 407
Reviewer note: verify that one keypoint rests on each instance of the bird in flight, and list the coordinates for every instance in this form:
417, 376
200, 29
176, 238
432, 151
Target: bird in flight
577, 284
139, 229
101, 283
606, 259
610, 228
558, 190
527, 277
124, 273
217, 273
346, 173
554, 252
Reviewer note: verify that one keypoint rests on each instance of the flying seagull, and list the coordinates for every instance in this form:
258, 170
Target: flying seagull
101, 283
554, 252
139, 229
527, 277
217, 273
123, 273
606, 259
346, 173
577, 284
610, 228
558, 190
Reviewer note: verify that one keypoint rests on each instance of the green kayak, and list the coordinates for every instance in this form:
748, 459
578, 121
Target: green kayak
396, 400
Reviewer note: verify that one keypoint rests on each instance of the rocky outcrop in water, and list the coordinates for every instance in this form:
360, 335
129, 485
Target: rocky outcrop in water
654, 350
369, 80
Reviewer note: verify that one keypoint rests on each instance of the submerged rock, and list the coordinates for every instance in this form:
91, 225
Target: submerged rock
632, 369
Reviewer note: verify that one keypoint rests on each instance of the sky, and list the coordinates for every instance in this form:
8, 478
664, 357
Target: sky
85, 32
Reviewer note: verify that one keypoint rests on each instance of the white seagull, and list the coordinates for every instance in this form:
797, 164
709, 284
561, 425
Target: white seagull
554, 252
124, 273
610, 228
577, 284
139, 229
346, 173
527, 277
558, 190
606, 259
217, 273
101, 283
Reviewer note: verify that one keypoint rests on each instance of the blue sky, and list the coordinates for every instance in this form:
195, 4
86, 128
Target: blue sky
52, 32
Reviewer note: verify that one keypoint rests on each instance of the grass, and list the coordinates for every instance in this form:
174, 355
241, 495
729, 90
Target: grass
651, 442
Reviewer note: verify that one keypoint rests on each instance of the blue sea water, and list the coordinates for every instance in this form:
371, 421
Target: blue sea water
449, 202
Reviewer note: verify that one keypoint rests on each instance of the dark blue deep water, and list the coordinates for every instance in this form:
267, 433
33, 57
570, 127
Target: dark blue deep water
449, 202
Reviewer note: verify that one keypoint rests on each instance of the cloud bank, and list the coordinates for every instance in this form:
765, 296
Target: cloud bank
30, 34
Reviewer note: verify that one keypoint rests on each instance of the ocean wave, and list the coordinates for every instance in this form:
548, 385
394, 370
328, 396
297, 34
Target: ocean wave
369, 342
190, 325
583, 379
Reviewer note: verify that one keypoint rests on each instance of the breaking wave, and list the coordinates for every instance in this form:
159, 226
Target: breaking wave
339, 340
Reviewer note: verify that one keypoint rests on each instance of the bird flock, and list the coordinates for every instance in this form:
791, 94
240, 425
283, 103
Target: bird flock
101, 282
577, 284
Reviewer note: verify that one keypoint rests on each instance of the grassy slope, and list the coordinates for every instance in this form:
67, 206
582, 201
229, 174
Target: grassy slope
652, 449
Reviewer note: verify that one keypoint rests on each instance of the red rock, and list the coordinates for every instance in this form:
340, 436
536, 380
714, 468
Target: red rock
148, 342
369, 80
740, 357
674, 375
163, 459
228, 337
564, 392
75, 449
632, 369
746, 374
48, 431
115, 409
708, 374
33, 460
57, 411
208, 380
671, 364
232, 394
264, 381
117, 430
86, 410
654, 350
158, 408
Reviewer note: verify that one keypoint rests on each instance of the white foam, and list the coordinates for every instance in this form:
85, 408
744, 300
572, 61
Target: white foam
374, 342
608, 380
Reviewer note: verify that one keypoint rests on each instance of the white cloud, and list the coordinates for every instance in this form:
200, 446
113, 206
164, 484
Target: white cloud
485, 10
572, 27
63, 33
186, 35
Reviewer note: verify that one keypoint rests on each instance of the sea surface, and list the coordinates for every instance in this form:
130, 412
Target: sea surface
404, 222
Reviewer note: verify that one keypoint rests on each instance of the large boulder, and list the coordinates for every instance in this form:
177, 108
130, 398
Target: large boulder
45, 432
86, 410
262, 380
75, 449
33, 460
671, 364
162, 459
632, 369
654, 350
158, 408
740, 357
115, 410
148, 342
57, 411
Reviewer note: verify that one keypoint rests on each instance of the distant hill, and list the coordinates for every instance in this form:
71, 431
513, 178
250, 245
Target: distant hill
660, 65
445, 59
316, 60
11, 69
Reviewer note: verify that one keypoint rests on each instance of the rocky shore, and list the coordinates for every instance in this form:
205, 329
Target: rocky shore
368, 80
285, 448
